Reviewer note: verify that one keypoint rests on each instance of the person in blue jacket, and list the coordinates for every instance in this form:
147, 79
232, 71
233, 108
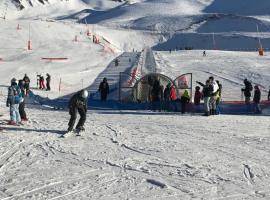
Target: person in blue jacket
13, 100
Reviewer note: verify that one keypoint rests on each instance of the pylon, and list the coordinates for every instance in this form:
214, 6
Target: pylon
76, 38
29, 45
18, 27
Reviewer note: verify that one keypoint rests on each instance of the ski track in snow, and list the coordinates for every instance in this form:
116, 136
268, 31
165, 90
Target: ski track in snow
117, 157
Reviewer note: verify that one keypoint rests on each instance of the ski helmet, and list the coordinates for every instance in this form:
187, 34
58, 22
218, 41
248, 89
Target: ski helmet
84, 94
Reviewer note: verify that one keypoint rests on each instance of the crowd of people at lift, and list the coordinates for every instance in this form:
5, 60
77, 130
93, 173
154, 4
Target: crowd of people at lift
161, 98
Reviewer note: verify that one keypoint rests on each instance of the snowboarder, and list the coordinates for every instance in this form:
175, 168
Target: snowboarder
13, 101
78, 103
22, 104
41, 83
185, 98
48, 82
247, 91
257, 99
104, 89
27, 84
207, 93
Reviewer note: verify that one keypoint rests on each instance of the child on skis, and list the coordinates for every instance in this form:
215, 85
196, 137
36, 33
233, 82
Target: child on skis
13, 101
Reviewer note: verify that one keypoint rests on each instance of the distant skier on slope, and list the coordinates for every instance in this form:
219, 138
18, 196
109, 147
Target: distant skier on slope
247, 91
13, 101
78, 103
104, 89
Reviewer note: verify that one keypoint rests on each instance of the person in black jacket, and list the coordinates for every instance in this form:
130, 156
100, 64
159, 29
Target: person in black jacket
104, 89
78, 103
257, 99
22, 112
207, 94
48, 82
247, 91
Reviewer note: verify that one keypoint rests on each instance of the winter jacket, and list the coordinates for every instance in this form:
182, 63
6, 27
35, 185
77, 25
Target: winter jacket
156, 92
207, 90
77, 102
14, 95
104, 87
173, 95
248, 88
26, 79
167, 93
215, 88
197, 97
185, 98
257, 96
48, 78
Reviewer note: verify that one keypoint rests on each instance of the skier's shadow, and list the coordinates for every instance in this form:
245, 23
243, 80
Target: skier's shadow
58, 132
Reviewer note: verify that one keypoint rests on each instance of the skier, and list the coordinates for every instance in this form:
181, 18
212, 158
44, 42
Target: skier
27, 84
185, 98
78, 103
169, 96
116, 62
213, 99
104, 89
22, 104
257, 99
204, 53
207, 93
41, 83
13, 101
247, 91
48, 82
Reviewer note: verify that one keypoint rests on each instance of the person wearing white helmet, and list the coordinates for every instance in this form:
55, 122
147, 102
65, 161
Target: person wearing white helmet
78, 103
13, 101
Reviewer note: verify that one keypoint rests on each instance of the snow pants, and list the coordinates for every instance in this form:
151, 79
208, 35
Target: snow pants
213, 103
22, 111
73, 112
14, 113
206, 104
257, 108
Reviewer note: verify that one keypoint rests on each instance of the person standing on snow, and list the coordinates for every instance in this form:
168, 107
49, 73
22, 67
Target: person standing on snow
78, 103
169, 95
207, 94
48, 82
197, 98
257, 99
104, 89
185, 98
218, 97
41, 83
213, 99
13, 101
22, 104
247, 91
156, 95
27, 84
